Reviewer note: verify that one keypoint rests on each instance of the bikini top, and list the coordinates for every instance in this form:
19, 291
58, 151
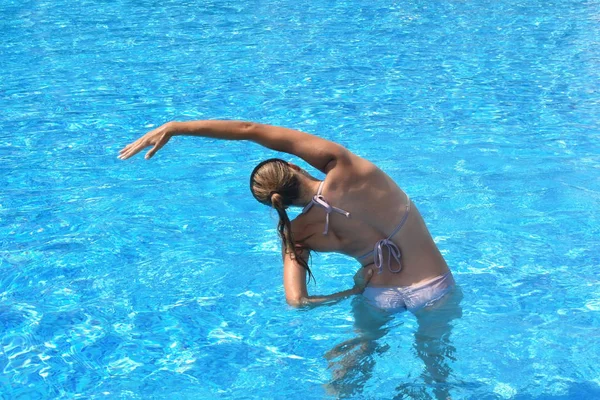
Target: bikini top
393, 250
319, 200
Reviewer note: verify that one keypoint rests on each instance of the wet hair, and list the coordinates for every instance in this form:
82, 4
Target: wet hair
274, 183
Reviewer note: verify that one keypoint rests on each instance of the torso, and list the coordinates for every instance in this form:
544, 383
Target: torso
377, 206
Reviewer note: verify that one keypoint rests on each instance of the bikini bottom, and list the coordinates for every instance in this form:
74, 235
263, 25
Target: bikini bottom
411, 298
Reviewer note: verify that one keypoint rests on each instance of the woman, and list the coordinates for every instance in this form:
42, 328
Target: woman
357, 210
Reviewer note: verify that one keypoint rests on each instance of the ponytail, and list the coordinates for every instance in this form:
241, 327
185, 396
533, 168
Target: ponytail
284, 228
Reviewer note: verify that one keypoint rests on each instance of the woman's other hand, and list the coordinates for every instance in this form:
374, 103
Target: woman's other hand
361, 279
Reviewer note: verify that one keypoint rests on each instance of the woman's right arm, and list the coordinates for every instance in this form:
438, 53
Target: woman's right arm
296, 292
318, 152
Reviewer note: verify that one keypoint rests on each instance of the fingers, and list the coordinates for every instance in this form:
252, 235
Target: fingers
132, 150
368, 275
125, 148
159, 145
152, 151
135, 147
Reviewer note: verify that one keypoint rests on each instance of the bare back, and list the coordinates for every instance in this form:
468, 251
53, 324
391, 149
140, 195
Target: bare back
377, 205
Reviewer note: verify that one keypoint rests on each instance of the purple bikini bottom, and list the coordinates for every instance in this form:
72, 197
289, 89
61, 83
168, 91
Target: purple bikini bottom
411, 298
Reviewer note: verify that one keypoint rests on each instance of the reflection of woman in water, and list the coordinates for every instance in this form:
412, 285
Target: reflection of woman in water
356, 210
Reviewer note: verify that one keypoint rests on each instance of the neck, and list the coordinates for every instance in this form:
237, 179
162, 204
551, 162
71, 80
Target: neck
308, 188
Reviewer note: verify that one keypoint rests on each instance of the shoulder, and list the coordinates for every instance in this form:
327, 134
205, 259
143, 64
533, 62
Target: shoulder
351, 167
301, 225
305, 229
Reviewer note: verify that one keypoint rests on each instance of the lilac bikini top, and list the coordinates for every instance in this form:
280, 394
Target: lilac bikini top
393, 250
320, 201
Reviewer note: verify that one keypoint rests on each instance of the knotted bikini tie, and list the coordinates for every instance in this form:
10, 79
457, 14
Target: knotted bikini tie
393, 249
319, 200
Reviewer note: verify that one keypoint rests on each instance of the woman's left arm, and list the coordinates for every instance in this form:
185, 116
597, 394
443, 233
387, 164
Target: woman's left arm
318, 152
296, 292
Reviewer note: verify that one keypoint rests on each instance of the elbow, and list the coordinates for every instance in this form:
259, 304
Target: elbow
296, 302
247, 128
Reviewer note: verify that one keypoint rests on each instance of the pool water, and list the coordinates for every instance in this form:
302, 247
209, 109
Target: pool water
162, 279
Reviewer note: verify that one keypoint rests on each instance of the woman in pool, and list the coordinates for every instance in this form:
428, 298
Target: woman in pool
356, 210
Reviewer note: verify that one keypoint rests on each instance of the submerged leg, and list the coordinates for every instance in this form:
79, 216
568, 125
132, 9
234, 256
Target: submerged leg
433, 344
352, 361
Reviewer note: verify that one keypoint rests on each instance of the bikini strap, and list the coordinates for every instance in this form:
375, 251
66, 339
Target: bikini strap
404, 218
319, 200
312, 202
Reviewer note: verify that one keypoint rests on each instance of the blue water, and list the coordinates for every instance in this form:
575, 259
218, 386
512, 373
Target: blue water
162, 279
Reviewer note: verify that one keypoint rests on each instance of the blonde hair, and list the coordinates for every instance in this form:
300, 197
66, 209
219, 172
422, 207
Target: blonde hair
274, 183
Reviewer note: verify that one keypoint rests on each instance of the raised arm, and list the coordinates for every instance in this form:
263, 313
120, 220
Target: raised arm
320, 153
296, 292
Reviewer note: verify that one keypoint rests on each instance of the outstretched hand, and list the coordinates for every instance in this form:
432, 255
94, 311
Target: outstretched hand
362, 278
157, 138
